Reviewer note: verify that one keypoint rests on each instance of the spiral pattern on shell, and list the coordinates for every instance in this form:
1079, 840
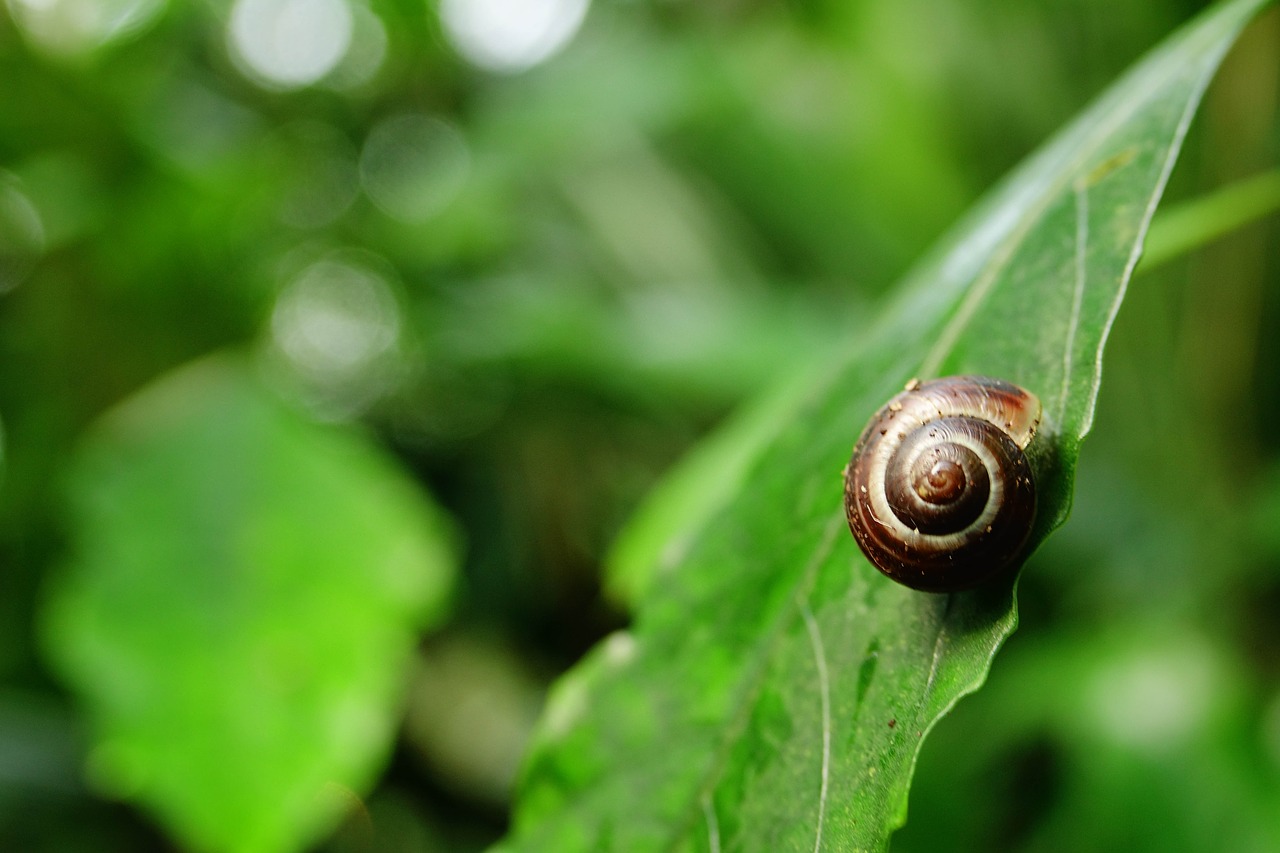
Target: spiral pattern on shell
939, 494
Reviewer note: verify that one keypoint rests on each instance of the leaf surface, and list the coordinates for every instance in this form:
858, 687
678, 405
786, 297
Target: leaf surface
775, 689
245, 590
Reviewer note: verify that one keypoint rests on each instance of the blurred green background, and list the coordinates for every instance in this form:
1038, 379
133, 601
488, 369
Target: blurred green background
485, 269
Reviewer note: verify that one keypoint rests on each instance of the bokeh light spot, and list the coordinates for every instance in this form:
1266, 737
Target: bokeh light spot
511, 35
1156, 699
365, 55
114, 768
70, 27
336, 320
290, 43
22, 234
412, 166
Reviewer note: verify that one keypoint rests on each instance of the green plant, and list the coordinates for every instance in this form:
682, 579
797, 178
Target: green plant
331, 380
790, 687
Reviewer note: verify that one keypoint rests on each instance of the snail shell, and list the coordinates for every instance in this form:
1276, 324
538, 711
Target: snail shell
939, 493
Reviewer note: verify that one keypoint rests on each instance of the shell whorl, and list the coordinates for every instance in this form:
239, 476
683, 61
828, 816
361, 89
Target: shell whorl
939, 494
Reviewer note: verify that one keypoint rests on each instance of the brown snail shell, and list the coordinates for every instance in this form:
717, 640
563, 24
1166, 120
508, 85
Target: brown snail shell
939, 493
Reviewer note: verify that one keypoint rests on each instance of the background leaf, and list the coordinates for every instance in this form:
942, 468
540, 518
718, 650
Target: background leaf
788, 685
244, 593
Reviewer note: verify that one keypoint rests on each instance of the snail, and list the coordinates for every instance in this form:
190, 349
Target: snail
939, 494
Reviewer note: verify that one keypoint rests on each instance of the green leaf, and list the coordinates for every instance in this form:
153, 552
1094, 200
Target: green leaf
775, 690
245, 591
1117, 770
1178, 230
660, 533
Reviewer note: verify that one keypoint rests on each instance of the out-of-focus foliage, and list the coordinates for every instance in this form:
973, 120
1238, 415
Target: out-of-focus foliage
245, 593
536, 267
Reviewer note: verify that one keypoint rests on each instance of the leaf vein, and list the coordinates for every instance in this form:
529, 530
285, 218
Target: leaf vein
753, 682
824, 686
713, 825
